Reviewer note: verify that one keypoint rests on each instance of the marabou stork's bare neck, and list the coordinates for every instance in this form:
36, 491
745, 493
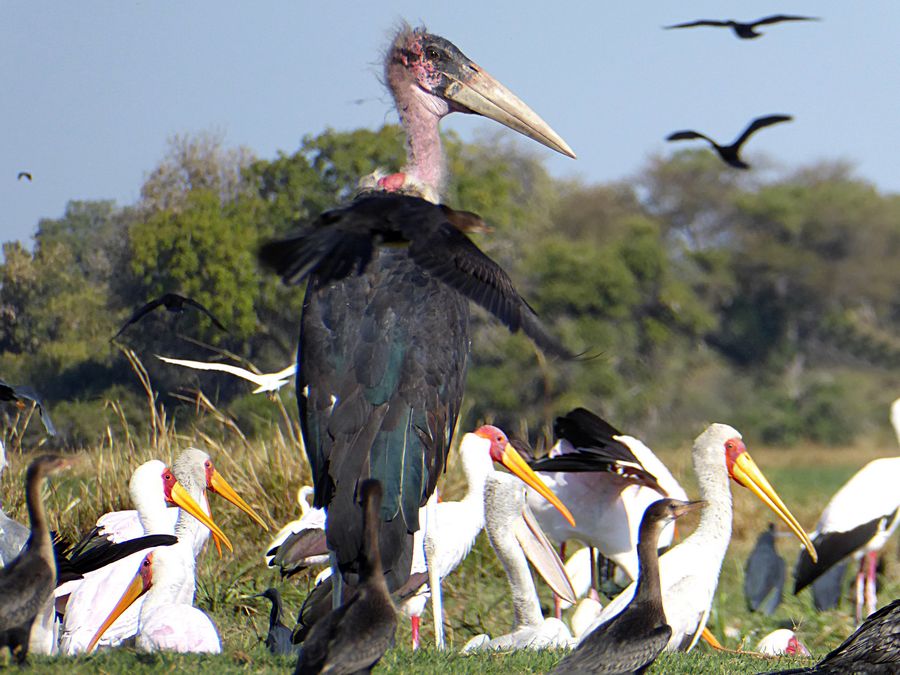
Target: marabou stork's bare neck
429, 77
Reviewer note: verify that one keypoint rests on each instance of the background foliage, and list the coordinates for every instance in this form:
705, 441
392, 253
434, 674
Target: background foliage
696, 292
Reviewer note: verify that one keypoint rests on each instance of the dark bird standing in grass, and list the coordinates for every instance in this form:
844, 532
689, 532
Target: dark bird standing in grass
355, 636
873, 649
278, 640
385, 327
20, 396
729, 153
174, 303
744, 30
27, 582
764, 574
631, 640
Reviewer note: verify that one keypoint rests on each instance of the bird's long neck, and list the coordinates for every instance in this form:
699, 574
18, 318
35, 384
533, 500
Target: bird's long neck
371, 570
37, 516
277, 610
648, 587
424, 154
503, 504
713, 532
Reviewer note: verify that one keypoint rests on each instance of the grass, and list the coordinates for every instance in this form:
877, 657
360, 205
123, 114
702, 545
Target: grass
267, 474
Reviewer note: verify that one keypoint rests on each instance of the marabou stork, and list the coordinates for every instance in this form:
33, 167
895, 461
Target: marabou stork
744, 30
27, 582
689, 571
153, 487
764, 574
354, 637
608, 480
631, 641
730, 154
873, 649
384, 332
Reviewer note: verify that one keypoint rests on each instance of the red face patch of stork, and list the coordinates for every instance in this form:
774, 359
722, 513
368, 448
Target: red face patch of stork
496, 437
734, 447
169, 481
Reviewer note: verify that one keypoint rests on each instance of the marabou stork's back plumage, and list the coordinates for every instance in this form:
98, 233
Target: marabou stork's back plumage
385, 327
27, 582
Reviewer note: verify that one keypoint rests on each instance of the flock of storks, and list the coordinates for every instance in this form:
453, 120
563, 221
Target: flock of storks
381, 368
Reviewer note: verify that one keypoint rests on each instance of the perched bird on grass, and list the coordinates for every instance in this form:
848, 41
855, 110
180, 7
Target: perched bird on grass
27, 582
278, 640
764, 574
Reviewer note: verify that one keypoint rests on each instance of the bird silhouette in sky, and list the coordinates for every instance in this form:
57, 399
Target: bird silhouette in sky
21, 395
744, 31
24, 174
172, 302
730, 153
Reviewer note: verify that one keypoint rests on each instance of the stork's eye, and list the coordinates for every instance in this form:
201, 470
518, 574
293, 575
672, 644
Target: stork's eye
433, 53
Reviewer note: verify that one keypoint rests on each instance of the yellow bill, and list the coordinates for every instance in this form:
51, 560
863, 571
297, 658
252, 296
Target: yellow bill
184, 500
139, 585
513, 461
220, 486
745, 471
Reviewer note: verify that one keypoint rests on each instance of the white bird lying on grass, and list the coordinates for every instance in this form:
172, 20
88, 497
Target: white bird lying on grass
263, 381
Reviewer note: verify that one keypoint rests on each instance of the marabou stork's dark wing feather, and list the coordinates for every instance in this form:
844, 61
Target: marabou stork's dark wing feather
759, 123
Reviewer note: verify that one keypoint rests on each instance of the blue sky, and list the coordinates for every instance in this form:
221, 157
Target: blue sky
92, 90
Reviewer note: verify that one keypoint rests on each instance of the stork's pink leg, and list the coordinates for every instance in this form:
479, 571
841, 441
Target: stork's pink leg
872, 569
415, 632
860, 584
557, 601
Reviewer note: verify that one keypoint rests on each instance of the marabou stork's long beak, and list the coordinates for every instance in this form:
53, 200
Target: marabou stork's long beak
543, 556
745, 471
139, 585
512, 460
183, 499
220, 486
473, 90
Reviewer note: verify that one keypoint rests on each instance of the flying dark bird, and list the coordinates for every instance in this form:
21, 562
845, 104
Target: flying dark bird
744, 30
874, 649
22, 395
355, 636
385, 327
729, 153
631, 640
278, 641
172, 302
24, 174
27, 582
764, 574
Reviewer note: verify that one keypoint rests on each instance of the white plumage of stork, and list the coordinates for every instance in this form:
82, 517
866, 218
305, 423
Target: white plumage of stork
689, 571
608, 480
857, 522
264, 381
